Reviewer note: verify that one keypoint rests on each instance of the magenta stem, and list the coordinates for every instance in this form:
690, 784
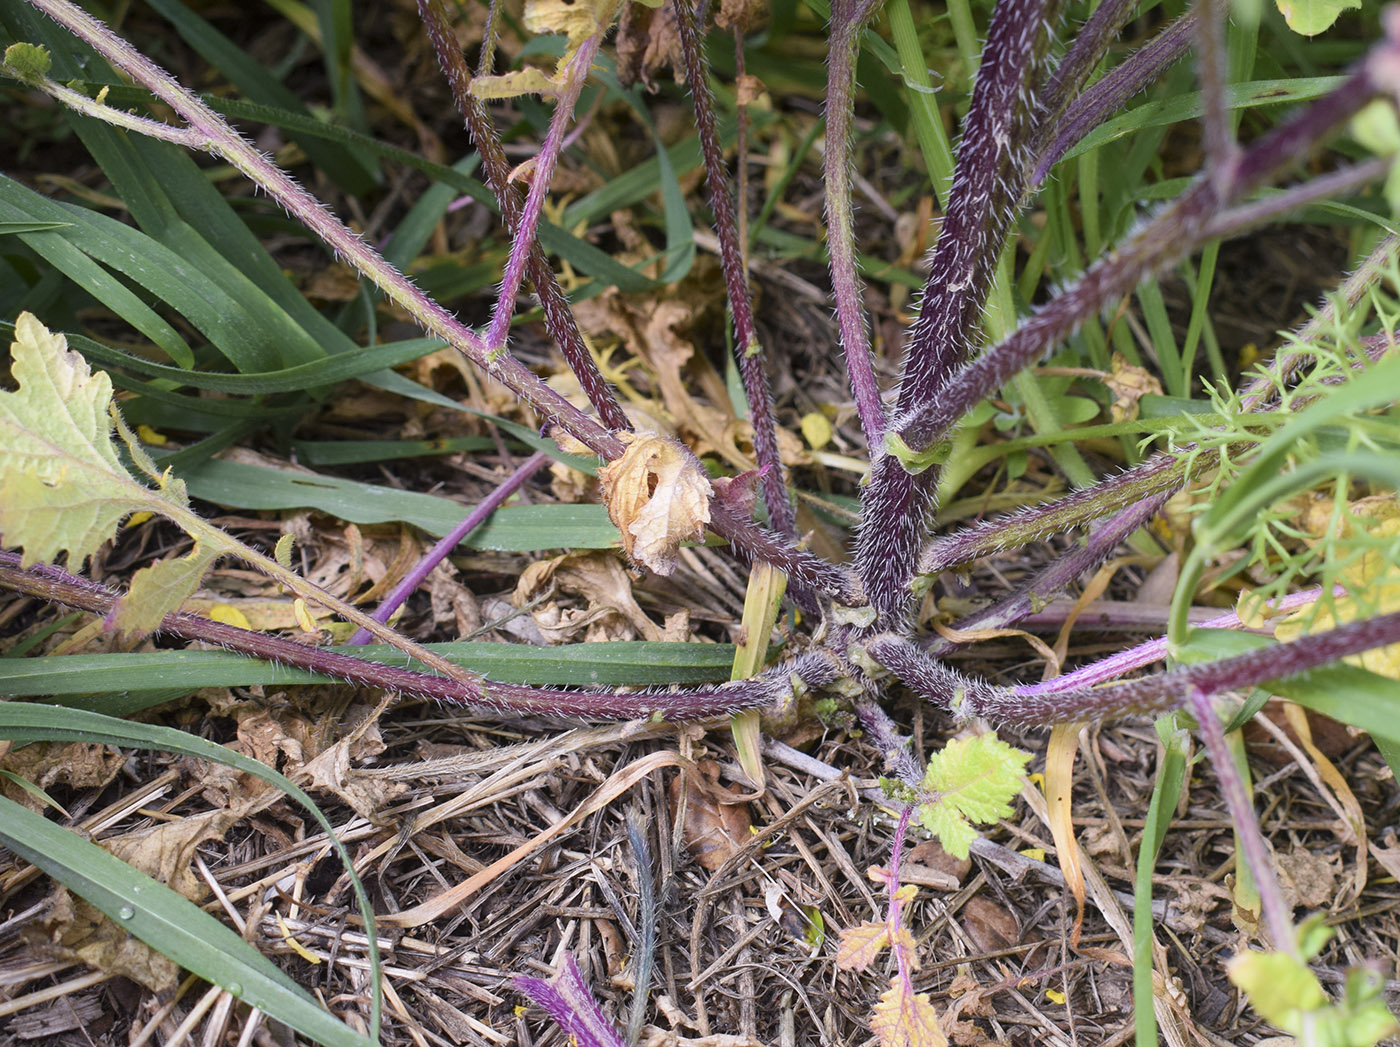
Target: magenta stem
540, 177
439, 552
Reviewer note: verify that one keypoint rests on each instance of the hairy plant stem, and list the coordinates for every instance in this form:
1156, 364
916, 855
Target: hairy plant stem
558, 317
527, 221
1277, 913
1035, 593
223, 141
1066, 84
848, 18
1040, 706
987, 184
898, 502
439, 552
746, 343
1212, 62
1085, 111
467, 690
1173, 234
1162, 473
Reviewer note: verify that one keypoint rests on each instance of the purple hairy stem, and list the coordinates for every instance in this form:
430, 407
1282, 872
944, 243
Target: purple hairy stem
1039, 706
567, 999
1162, 473
1212, 62
558, 318
1108, 95
815, 669
1278, 916
804, 569
1179, 230
1329, 186
1116, 665
893, 746
523, 229
1091, 43
222, 140
1102, 541
439, 552
988, 182
848, 18
750, 352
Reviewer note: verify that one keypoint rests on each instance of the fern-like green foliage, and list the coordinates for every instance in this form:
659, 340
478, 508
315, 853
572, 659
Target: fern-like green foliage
971, 782
1282, 989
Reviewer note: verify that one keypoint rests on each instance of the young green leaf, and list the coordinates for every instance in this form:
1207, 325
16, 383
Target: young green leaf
971, 782
1282, 989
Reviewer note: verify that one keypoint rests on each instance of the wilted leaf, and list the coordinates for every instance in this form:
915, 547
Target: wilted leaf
744, 15
904, 1018
1129, 384
717, 822
576, 19
989, 925
972, 781
658, 495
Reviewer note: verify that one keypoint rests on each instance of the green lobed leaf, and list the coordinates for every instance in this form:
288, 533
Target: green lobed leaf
62, 487
1310, 17
972, 781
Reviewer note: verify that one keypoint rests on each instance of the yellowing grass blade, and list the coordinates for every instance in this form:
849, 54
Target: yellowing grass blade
761, 602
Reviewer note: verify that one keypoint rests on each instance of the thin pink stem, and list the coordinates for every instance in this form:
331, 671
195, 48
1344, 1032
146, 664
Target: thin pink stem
540, 177
474, 519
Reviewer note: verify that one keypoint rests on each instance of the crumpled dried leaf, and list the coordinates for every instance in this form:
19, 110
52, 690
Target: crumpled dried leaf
716, 822
648, 43
610, 612
576, 19
78, 765
72, 929
744, 15
658, 495
1129, 384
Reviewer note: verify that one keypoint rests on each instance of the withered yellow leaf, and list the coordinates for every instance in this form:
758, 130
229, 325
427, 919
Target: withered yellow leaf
658, 495
904, 1018
860, 945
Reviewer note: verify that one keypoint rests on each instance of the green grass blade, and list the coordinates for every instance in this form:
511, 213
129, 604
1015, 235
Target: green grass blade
640, 663
152, 912
525, 528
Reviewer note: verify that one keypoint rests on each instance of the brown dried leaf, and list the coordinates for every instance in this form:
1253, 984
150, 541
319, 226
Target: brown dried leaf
72, 930
610, 612
648, 43
79, 765
1129, 384
658, 495
743, 15
713, 829
929, 865
989, 926
1308, 879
